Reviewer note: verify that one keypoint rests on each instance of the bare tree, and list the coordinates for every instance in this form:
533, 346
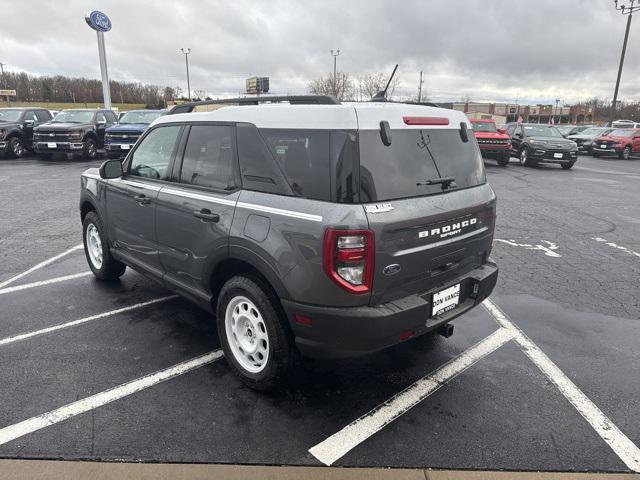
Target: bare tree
369, 85
344, 87
200, 94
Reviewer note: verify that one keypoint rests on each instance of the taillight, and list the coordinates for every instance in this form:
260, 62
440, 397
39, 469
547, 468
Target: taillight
348, 258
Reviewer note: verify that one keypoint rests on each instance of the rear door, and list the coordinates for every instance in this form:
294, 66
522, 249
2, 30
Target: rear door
636, 141
425, 237
196, 210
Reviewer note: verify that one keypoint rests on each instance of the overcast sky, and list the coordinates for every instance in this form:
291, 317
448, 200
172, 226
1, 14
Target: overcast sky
498, 50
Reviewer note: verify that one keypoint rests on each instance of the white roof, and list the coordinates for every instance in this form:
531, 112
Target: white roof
347, 116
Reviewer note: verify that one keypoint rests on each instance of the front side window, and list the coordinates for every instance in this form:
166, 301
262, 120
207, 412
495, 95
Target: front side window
416, 156
100, 118
208, 158
43, 116
152, 156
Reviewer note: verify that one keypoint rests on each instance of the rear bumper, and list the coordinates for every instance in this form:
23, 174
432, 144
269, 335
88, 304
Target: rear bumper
43, 147
4, 146
350, 331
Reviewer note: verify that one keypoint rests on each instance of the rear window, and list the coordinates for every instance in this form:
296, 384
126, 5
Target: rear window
414, 156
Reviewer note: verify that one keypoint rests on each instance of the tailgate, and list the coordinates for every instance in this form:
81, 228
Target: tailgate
424, 242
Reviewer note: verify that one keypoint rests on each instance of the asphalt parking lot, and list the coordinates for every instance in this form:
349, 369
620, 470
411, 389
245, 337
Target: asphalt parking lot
544, 377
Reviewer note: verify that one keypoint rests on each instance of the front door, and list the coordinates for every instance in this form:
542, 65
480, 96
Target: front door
195, 213
101, 127
131, 200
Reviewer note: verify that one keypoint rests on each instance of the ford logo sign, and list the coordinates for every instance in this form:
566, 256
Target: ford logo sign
391, 269
98, 21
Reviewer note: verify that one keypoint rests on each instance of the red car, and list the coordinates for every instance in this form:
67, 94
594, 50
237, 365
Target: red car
494, 143
622, 141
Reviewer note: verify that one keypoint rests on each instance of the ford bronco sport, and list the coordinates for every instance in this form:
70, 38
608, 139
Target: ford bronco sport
76, 131
322, 229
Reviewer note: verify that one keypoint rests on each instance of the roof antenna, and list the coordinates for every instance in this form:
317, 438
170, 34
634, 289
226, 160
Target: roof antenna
381, 96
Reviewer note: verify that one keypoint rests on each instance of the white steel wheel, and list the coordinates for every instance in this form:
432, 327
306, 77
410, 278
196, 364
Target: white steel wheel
247, 334
94, 246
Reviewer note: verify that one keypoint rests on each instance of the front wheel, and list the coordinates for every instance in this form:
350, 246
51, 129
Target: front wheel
96, 249
90, 149
254, 334
525, 161
626, 153
503, 162
567, 166
16, 147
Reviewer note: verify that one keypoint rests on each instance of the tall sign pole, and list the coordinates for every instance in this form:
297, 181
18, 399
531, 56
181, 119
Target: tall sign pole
101, 24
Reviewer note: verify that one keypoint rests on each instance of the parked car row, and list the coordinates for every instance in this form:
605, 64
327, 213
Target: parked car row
80, 132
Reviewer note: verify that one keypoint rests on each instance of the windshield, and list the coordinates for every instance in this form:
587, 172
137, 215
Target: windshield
623, 132
10, 115
73, 116
414, 157
594, 132
541, 131
484, 127
139, 117
566, 128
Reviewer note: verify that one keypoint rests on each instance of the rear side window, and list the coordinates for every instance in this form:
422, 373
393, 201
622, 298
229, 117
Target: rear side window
208, 157
416, 156
304, 157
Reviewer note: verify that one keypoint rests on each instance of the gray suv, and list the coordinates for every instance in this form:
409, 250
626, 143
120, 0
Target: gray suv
327, 230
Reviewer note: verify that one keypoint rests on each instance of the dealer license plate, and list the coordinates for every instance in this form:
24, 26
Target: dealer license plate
124, 146
52, 145
603, 145
557, 155
445, 300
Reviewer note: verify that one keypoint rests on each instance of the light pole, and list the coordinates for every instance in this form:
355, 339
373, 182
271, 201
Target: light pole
557, 102
625, 10
335, 59
186, 61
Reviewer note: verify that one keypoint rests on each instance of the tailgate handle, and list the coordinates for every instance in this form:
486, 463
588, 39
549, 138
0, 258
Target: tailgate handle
443, 268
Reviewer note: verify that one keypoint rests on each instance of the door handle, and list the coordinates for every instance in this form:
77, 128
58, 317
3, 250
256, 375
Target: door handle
206, 216
142, 199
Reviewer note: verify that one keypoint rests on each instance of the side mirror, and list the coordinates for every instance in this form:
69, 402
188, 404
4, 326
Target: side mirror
111, 169
28, 123
518, 135
502, 130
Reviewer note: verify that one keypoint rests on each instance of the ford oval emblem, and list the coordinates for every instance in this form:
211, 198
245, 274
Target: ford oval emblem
98, 21
391, 269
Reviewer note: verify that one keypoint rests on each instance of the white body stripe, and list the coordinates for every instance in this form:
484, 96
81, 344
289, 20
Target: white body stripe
198, 196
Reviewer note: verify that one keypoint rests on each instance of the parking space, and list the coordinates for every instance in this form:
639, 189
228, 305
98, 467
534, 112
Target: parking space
543, 378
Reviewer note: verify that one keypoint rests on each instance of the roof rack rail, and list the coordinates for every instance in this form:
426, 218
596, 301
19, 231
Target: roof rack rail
292, 99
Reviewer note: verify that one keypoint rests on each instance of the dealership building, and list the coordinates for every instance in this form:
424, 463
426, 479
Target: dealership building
510, 112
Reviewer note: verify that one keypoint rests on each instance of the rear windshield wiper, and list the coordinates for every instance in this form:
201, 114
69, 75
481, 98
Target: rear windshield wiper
446, 182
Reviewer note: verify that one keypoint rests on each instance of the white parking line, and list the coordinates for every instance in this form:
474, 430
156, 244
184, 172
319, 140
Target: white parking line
628, 452
615, 245
43, 282
80, 321
40, 265
340, 443
70, 410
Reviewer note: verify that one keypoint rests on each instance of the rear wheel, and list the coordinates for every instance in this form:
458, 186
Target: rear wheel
253, 332
626, 153
16, 147
96, 249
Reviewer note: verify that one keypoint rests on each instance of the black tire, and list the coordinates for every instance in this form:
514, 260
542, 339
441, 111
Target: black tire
90, 149
16, 147
110, 268
625, 154
594, 154
567, 166
525, 160
282, 353
503, 162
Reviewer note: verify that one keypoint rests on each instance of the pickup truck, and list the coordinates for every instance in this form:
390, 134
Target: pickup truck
119, 139
75, 131
494, 143
16, 128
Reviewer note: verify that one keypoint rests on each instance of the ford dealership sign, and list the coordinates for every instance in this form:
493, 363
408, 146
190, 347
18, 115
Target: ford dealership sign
98, 21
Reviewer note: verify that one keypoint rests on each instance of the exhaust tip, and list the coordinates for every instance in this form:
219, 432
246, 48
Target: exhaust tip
446, 330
